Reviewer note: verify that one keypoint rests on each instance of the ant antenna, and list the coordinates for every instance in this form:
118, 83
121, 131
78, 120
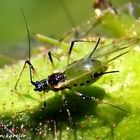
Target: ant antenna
31, 68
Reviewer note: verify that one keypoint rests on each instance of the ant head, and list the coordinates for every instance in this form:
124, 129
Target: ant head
41, 85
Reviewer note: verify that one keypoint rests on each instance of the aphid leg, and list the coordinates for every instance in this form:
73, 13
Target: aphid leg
31, 69
65, 103
95, 47
97, 100
44, 101
85, 96
72, 45
50, 57
55, 130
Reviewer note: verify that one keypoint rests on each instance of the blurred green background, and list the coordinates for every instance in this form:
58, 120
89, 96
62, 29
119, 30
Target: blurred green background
47, 17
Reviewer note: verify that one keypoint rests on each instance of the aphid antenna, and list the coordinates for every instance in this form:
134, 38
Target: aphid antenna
28, 34
31, 68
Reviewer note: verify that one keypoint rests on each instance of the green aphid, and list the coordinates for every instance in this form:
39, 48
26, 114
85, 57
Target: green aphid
83, 72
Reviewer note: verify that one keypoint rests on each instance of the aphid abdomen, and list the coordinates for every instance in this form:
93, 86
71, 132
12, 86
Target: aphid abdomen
84, 81
84, 72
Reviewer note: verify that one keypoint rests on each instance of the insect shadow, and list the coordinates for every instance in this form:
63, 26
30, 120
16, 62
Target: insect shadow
55, 117
79, 107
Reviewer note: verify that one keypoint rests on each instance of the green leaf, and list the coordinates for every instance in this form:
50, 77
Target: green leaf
21, 109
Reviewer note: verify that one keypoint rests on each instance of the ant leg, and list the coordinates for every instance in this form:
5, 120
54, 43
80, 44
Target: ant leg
72, 45
31, 69
65, 103
97, 100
